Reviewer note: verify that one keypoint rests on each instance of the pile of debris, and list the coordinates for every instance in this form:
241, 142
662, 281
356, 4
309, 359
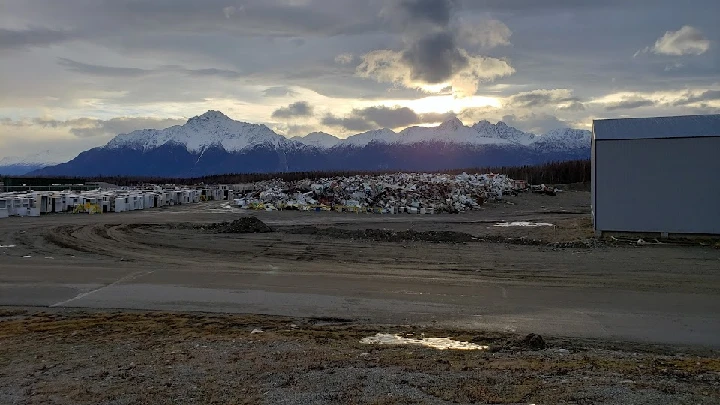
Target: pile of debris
242, 225
412, 193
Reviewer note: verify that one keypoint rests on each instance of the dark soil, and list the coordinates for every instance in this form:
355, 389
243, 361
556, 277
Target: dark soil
385, 235
242, 225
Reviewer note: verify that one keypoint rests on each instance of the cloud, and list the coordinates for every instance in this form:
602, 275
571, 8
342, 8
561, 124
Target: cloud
484, 34
297, 109
345, 58
535, 123
93, 127
629, 104
229, 11
542, 98
704, 97
431, 57
409, 12
351, 123
458, 69
17, 39
572, 106
131, 72
686, 41
279, 91
363, 119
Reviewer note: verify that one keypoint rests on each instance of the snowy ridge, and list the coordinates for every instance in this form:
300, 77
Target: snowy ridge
210, 129
43, 158
317, 139
563, 139
216, 129
502, 131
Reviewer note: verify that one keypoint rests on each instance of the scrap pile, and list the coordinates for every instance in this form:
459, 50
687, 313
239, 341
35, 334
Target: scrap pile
413, 193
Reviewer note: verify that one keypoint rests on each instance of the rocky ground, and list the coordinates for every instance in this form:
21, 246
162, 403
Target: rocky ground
92, 357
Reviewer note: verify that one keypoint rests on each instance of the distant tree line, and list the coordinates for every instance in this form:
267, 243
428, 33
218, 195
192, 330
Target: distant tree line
575, 171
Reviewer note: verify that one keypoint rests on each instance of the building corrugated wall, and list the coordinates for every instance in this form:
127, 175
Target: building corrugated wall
657, 175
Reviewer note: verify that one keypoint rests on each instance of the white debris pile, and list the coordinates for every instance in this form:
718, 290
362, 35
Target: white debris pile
414, 193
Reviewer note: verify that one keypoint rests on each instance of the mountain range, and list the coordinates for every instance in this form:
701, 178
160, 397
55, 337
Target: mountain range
213, 143
19, 165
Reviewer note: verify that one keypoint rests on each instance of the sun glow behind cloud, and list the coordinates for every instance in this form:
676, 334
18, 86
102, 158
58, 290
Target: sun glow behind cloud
444, 103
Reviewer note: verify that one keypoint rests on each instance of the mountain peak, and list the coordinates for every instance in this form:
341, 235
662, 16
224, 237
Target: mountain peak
451, 124
209, 116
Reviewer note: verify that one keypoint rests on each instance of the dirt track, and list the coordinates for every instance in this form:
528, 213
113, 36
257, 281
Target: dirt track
454, 273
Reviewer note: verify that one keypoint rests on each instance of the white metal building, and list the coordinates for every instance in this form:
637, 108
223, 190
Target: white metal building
657, 175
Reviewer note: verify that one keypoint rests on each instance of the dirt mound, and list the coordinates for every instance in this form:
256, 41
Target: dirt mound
242, 225
385, 235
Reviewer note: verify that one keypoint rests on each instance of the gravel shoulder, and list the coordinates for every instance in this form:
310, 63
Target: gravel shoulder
89, 357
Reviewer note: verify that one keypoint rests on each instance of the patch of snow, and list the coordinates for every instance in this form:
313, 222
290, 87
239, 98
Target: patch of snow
6, 246
435, 343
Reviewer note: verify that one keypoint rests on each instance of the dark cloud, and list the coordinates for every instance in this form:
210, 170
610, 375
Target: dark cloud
92, 127
129, 72
387, 117
710, 95
384, 117
16, 39
435, 58
279, 91
351, 123
437, 12
542, 98
629, 104
297, 109
99, 70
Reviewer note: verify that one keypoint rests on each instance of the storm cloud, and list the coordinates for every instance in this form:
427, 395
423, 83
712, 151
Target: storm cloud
432, 55
384, 117
297, 109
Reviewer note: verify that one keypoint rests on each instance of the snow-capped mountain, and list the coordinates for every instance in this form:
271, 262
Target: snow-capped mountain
451, 131
19, 165
212, 143
502, 131
317, 139
383, 135
564, 139
210, 129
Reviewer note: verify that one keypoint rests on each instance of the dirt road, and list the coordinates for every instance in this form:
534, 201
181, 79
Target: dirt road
150, 260
320, 282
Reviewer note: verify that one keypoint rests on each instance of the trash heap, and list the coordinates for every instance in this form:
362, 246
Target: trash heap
413, 193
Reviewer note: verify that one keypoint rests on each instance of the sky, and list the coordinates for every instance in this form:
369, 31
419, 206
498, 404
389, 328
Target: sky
75, 73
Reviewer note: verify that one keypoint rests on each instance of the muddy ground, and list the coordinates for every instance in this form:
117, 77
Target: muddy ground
624, 322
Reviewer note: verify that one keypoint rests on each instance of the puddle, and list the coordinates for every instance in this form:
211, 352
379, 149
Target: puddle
6, 246
527, 224
435, 343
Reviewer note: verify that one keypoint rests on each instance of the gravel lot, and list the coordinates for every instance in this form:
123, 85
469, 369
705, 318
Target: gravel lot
159, 306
